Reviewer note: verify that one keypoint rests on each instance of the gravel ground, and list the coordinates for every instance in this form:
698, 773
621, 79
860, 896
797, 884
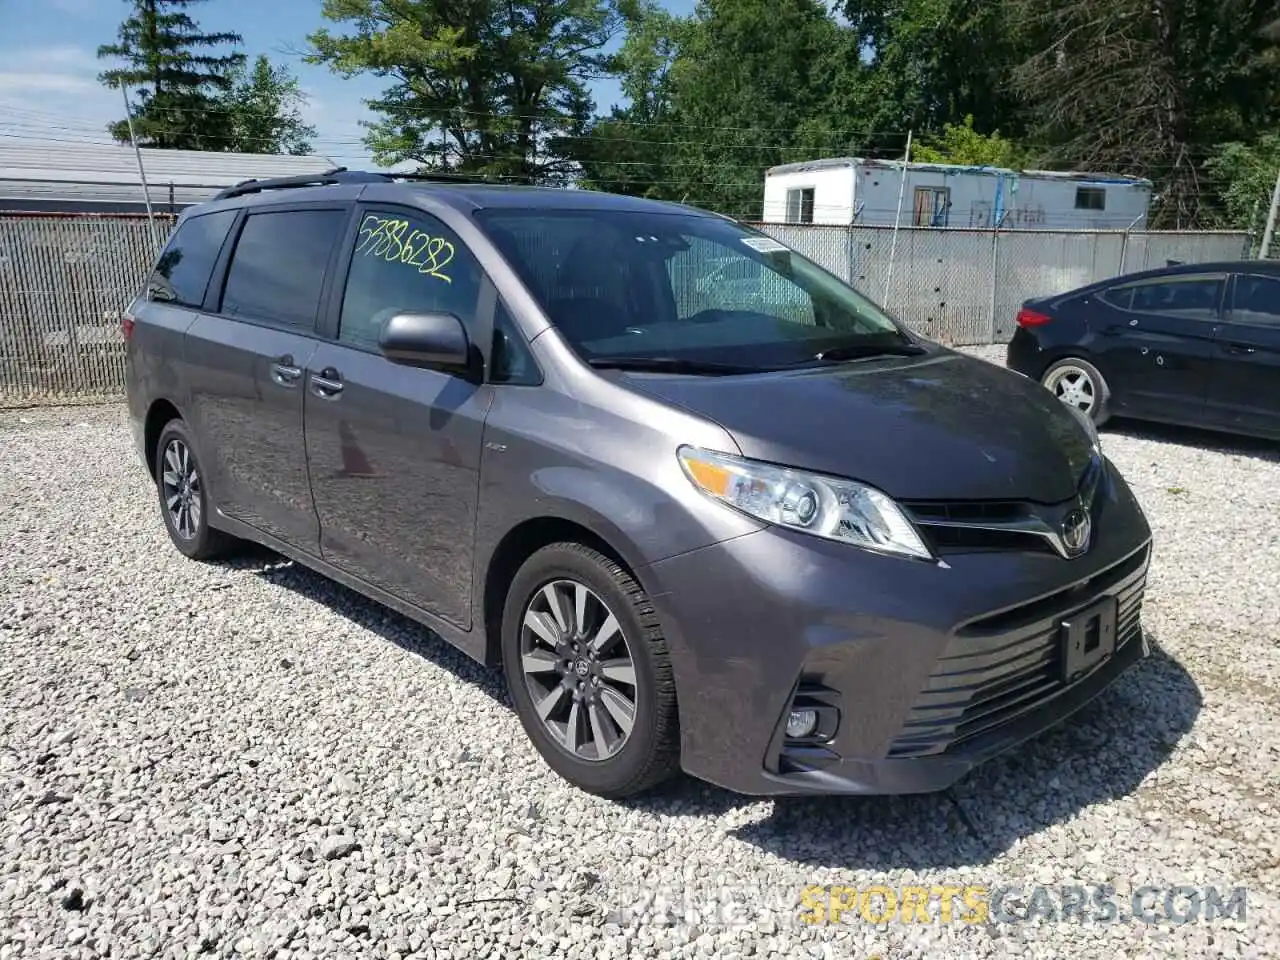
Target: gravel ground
247, 760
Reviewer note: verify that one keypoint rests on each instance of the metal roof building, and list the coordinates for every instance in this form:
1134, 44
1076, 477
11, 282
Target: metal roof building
38, 175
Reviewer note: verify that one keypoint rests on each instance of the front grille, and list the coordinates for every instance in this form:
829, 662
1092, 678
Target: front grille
944, 540
999, 668
967, 526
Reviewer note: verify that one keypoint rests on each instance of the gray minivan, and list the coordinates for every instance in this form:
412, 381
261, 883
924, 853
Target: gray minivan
707, 506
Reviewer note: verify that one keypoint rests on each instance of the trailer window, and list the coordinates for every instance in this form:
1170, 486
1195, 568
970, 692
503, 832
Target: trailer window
800, 205
932, 206
1091, 198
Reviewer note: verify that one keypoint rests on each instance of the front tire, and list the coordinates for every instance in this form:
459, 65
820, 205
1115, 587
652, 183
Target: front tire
589, 672
1080, 384
184, 502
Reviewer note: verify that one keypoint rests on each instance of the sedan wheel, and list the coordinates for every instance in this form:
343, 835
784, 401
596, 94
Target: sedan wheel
1073, 387
578, 669
1079, 384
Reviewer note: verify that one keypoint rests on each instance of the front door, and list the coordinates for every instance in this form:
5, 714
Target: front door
248, 358
394, 451
1156, 344
1244, 390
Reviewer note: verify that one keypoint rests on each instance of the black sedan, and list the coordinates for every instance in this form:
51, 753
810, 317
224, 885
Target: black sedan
1194, 344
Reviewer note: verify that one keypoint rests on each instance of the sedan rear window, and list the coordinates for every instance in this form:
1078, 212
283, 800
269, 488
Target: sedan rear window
684, 286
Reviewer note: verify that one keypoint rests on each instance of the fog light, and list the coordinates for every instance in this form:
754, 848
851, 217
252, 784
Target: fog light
801, 723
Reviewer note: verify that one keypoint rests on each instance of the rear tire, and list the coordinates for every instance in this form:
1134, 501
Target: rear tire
184, 503
589, 672
1080, 384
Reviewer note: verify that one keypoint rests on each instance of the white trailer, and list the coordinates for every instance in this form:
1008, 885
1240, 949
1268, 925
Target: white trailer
851, 190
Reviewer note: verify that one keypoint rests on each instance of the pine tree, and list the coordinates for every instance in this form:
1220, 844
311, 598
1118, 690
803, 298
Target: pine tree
178, 76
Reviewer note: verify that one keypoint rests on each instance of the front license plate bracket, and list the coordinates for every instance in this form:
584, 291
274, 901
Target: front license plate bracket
1088, 638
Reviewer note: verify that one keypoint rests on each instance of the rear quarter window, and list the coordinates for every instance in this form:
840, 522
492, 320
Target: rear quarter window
1121, 297
181, 273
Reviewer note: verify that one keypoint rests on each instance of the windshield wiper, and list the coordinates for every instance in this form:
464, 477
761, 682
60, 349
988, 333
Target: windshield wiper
673, 365
865, 351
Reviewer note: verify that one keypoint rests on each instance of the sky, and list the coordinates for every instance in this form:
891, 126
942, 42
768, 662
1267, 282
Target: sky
48, 68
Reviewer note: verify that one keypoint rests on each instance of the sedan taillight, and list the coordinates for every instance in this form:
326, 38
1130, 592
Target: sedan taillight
1032, 318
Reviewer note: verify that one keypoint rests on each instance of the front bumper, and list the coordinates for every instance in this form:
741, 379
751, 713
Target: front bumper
927, 670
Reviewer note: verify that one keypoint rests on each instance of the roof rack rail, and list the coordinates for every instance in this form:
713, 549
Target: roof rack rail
445, 176
343, 175
336, 175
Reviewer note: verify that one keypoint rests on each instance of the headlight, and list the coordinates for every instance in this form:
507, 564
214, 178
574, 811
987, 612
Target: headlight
823, 506
1090, 430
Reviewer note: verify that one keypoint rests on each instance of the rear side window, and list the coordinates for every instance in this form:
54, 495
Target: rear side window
1256, 300
279, 264
1194, 296
181, 274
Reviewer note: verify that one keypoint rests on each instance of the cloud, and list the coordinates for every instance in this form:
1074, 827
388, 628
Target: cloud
61, 69
23, 83
62, 57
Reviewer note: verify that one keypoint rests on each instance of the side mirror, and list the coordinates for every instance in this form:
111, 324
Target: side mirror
426, 340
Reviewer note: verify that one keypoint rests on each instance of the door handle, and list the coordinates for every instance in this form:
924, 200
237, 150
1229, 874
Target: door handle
284, 372
1238, 348
326, 384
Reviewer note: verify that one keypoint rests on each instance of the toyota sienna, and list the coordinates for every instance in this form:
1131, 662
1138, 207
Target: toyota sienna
706, 506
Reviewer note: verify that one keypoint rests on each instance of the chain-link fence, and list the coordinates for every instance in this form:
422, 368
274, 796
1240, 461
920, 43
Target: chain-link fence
64, 282
965, 286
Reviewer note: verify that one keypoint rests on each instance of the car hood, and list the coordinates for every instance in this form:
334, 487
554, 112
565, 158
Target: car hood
938, 427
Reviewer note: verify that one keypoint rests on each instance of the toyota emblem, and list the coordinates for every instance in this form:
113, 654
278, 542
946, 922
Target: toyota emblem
1075, 532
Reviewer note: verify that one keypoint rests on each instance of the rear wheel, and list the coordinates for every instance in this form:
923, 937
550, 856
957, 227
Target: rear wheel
588, 670
1079, 384
184, 502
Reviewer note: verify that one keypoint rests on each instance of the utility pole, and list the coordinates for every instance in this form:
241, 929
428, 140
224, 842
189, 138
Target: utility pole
1271, 221
893, 246
142, 173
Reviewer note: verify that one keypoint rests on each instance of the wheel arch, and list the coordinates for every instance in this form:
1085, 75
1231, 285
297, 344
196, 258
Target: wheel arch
520, 543
160, 413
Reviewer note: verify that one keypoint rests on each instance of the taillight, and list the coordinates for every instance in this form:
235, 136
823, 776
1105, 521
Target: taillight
126, 325
1032, 318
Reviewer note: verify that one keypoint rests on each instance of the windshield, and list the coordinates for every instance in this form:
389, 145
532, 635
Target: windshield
635, 285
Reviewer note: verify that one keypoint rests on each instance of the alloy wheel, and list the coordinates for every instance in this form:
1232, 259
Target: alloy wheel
1074, 387
180, 483
578, 669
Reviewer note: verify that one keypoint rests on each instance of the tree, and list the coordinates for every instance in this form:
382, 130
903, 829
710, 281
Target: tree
934, 62
1244, 176
264, 109
480, 86
961, 143
756, 83
177, 74
628, 151
1146, 86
